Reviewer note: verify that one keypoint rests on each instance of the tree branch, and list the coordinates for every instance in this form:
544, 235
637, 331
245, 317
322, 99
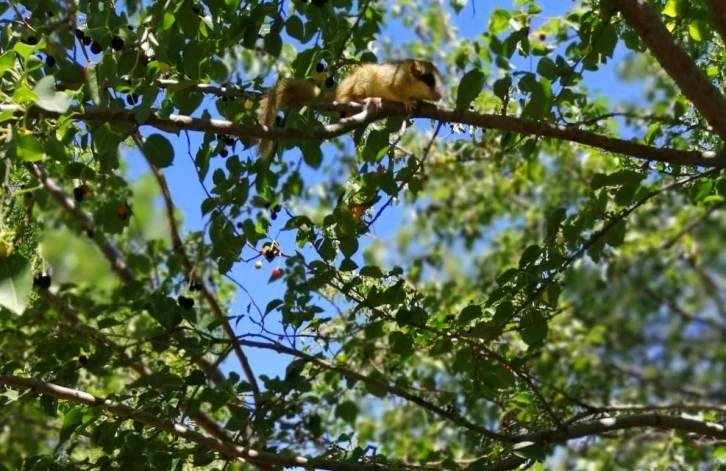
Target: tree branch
612, 424
174, 123
189, 267
102, 341
394, 390
676, 62
118, 264
717, 13
223, 447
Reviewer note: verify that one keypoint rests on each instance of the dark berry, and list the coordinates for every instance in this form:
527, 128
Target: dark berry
195, 285
82, 359
239, 225
80, 35
318, 3
277, 208
186, 303
273, 216
50, 61
278, 121
117, 43
224, 153
96, 48
122, 211
320, 68
330, 82
229, 141
31, 40
197, 11
86, 41
131, 28
225, 99
41, 281
131, 99
90, 233
78, 193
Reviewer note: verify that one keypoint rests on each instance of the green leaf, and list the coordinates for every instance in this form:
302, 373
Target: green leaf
547, 69
471, 85
71, 421
295, 28
312, 154
503, 313
29, 148
159, 151
502, 85
529, 255
533, 327
349, 246
401, 344
698, 30
94, 86
701, 189
7, 60
615, 236
16, 282
348, 411
273, 42
721, 186
499, 21
470, 313
372, 271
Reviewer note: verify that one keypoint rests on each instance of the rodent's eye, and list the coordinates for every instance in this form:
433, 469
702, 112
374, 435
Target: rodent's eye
428, 79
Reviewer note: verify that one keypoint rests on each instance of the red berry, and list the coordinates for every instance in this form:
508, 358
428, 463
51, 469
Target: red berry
505, 424
122, 211
85, 70
27, 20
276, 274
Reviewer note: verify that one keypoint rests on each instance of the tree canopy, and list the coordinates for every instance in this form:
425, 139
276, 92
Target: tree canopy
528, 274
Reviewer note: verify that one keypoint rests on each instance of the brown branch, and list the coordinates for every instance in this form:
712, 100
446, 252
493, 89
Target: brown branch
102, 341
612, 424
394, 390
717, 13
174, 123
676, 62
189, 267
118, 264
223, 447
57, 193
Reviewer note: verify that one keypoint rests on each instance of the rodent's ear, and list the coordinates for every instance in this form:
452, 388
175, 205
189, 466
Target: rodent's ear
416, 69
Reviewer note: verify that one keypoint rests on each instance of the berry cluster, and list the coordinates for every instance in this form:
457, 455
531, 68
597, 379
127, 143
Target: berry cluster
80, 192
117, 43
225, 141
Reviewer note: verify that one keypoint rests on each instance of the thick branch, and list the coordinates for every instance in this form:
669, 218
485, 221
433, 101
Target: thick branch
57, 193
717, 13
612, 424
394, 390
118, 264
174, 123
102, 341
225, 448
676, 62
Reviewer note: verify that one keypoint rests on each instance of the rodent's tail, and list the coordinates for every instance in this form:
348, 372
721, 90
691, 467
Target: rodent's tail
284, 92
